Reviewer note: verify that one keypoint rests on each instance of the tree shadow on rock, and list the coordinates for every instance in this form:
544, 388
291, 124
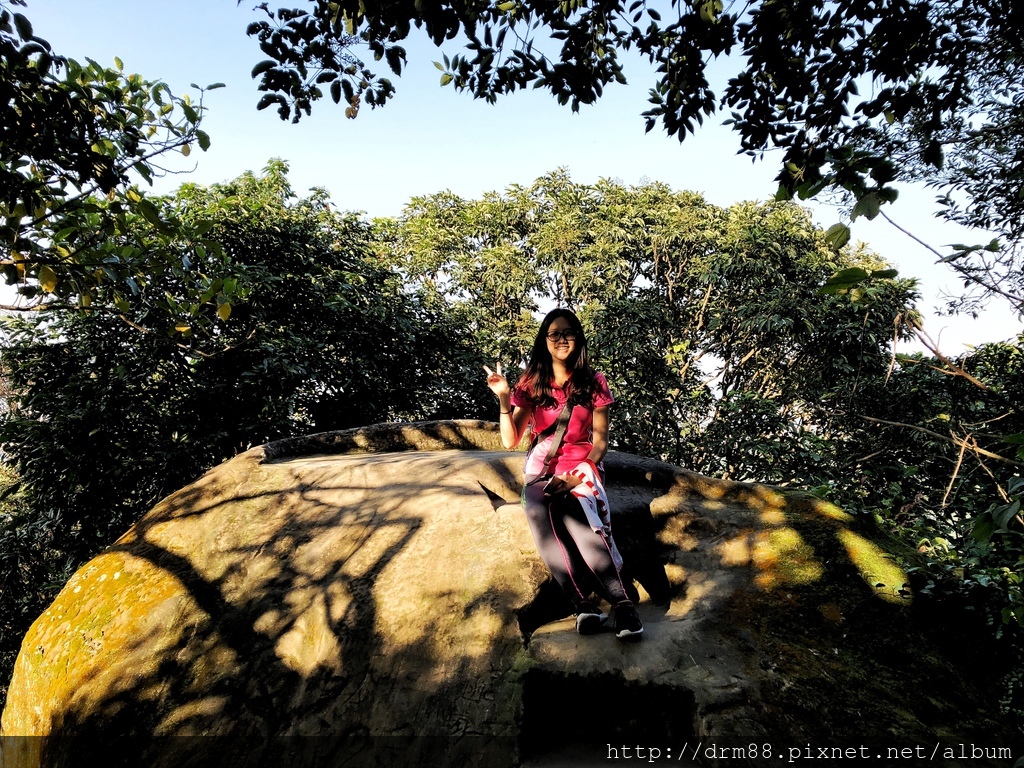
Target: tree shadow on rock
268, 649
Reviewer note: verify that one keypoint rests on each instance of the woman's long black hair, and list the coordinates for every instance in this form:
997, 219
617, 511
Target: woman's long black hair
535, 383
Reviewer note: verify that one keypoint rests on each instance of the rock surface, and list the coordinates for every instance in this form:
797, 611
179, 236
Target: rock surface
370, 598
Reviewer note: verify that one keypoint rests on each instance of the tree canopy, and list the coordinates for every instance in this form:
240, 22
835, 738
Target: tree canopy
695, 308
938, 75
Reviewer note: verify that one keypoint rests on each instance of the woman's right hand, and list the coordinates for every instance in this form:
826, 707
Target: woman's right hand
496, 381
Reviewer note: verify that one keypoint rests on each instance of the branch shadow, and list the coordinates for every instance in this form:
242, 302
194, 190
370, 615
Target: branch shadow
272, 650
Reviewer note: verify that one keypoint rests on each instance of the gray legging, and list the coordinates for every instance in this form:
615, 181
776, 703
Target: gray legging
579, 557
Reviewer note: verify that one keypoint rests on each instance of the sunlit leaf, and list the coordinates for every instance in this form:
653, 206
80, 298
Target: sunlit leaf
47, 279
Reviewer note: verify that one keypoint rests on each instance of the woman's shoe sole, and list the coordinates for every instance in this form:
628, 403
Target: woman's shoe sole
629, 635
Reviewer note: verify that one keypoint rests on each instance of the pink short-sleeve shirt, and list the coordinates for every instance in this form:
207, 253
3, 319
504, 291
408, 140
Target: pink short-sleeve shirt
579, 435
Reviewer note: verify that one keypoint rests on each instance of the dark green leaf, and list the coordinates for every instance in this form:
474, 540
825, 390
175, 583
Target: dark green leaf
264, 66
23, 26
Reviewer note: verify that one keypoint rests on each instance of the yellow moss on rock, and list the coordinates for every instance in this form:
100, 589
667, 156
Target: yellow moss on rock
782, 557
877, 567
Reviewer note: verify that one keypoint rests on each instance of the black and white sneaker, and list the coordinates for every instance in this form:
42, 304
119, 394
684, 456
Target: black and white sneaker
589, 619
626, 622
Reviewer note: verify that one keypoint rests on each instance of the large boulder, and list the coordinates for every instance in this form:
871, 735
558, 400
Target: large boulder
373, 597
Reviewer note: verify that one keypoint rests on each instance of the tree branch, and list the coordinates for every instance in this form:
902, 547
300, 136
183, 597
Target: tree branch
975, 448
190, 350
955, 370
1017, 301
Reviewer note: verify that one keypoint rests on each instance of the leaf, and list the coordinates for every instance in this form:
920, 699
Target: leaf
1005, 513
869, 205
61, 236
838, 235
23, 26
47, 279
150, 213
394, 56
224, 311
982, 529
845, 280
885, 274
446, 78
268, 99
263, 66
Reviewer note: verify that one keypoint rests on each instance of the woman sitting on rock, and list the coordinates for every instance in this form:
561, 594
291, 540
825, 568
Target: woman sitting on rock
565, 403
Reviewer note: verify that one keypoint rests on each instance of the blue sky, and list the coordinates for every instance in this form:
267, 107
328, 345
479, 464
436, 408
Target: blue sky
431, 138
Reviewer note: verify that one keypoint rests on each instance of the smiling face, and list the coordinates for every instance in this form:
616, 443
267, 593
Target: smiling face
561, 340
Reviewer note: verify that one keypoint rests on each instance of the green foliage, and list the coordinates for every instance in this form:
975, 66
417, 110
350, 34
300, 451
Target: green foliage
934, 458
322, 338
33, 568
304, 64
698, 313
929, 448
943, 104
996, 559
74, 231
